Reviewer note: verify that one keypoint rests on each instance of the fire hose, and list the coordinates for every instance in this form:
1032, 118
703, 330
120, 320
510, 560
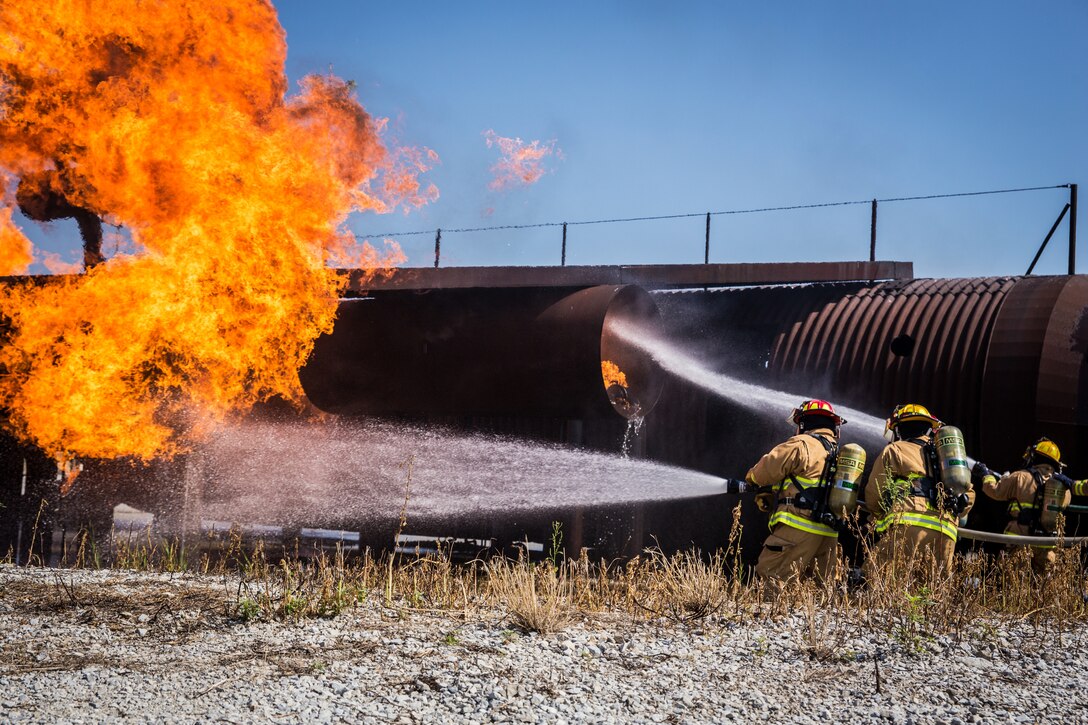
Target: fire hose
736, 486
1015, 540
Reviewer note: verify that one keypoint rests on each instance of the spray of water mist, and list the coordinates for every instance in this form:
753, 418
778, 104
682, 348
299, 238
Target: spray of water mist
343, 473
634, 427
774, 404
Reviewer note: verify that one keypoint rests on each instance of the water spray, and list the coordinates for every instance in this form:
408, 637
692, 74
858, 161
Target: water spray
768, 401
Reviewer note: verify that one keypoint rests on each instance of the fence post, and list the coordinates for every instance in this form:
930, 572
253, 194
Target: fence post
563, 255
706, 252
437, 246
1072, 229
872, 235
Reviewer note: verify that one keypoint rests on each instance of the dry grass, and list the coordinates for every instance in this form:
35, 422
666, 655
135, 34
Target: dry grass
911, 601
683, 587
538, 597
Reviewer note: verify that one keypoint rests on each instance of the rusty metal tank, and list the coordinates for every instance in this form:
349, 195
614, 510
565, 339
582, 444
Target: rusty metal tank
1001, 358
533, 351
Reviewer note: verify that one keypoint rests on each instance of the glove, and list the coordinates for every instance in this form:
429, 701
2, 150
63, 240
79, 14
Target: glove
1027, 517
979, 472
1063, 480
957, 504
765, 502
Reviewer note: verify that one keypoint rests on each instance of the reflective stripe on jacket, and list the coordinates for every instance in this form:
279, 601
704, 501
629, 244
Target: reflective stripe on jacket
926, 521
784, 516
790, 467
888, 491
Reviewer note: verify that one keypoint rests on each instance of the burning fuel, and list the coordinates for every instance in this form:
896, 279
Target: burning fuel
521, 163
612, 374
174, 121
619, 393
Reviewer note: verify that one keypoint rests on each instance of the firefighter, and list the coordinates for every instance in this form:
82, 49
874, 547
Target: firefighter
788, 479
1031, 502
914, 513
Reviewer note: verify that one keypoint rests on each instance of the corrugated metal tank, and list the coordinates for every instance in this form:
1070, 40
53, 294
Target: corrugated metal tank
1002, 358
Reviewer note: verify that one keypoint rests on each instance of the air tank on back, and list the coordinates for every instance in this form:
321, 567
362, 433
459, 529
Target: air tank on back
1053, 504
952, 456
842, 498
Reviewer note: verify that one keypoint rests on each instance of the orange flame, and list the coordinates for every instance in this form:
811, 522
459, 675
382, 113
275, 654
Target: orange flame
521, 164
171, 119
67, 472
612, 374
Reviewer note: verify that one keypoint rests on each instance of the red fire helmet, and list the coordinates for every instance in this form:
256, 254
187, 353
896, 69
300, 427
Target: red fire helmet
815, 407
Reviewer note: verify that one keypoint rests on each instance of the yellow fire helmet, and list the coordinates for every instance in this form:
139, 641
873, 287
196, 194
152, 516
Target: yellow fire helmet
1046, 450
909, 412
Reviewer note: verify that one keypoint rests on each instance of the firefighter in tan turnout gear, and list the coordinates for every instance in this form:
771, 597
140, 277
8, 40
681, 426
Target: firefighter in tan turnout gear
1037, 494
789, 477
916, 496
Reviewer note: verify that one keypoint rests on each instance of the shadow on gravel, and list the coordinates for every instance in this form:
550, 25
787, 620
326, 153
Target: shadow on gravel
168, 615
107, 601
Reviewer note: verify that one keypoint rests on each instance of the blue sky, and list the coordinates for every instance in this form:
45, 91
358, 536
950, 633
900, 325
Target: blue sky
669, 108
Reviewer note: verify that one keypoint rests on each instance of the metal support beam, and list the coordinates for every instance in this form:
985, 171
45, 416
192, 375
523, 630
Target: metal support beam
563, 254
437, 246
1049, 234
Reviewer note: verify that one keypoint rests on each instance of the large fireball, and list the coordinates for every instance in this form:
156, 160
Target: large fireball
172, 119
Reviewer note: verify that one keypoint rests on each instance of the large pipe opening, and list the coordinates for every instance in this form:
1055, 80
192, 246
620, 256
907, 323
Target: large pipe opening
508, 351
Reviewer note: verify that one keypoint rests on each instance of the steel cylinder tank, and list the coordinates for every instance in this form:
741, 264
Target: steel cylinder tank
923, 341
1001, 358
535, 351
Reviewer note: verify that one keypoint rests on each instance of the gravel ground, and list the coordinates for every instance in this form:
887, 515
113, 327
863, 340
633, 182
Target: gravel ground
97, 646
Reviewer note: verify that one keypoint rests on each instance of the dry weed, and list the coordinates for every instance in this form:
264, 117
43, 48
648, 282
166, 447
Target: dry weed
684, 587
537, 596
910, 599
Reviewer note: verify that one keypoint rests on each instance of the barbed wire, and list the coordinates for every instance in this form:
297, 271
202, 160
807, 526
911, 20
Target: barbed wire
620, 220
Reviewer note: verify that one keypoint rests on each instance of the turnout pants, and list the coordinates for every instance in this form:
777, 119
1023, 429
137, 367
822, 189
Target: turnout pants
914, 546
1042, 557
791, 552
